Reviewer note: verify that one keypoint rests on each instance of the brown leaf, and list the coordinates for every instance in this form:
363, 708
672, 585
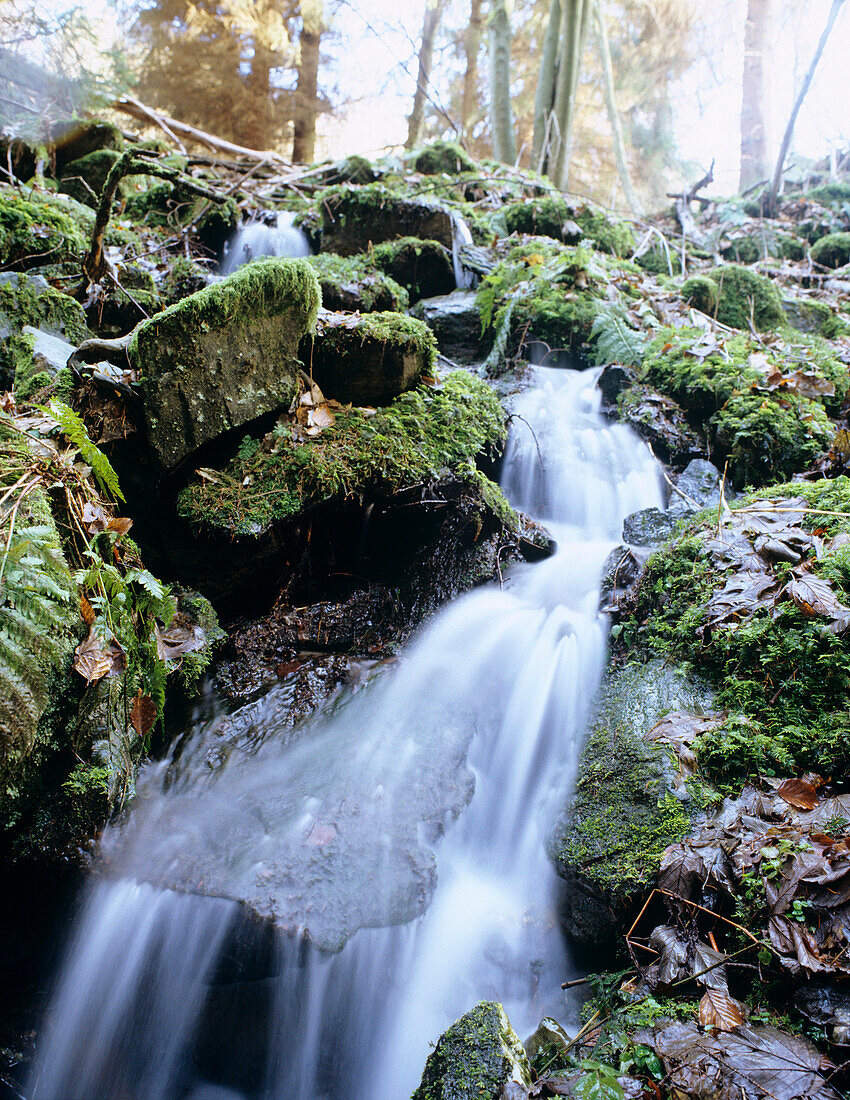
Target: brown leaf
143, 714
93, 518
87, 611
718, 1010
91, 660
120, 526
322, 417
7, 402
182, 636
798, 793
814, 596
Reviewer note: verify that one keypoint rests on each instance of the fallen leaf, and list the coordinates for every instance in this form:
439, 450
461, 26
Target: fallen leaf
814, 596
720, 1011
93, 518
143, 714
182, 636
87, 611
322, 417
120, 526
798, 793
93, 662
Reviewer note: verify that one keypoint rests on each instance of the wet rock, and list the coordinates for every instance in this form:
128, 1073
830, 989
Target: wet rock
456, 323
353, 284
355, 217
622, 570
83, 179
700, 483
424, 268
370, 359
629, 803
657, 419
475, 1058
73, 139
29, 302
223, 356
614, 380
649, 528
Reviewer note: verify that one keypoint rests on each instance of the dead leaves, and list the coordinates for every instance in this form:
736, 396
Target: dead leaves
95, 521
720, 1011
142, 714
93, 659
181, 636
311, 411
799, 793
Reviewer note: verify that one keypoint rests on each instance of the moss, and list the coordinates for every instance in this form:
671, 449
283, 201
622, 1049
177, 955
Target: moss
354, 279
830, 194
424, 268
83, 179
419, 437
607, 233
740, 297
27, 301
543, 217
782, 675
184, 277
40, 229
259, 288
765, 434
76, 138
474, 1058
811, 316
833, 250
443, 157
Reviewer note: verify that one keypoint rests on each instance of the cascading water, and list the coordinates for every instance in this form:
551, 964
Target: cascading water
403, 835
254, 239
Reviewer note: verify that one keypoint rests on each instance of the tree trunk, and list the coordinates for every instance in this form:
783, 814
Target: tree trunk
770, 205
544, 99
499, 24
471, 47
613, 113
572, 49
307, 88
416, 118
258, 121
754, 99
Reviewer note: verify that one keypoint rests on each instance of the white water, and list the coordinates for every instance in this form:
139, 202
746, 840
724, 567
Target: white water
259, 238
342, 828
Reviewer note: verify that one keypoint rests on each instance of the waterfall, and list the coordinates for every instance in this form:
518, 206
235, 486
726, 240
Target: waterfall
254, 239
461, 235
399, 841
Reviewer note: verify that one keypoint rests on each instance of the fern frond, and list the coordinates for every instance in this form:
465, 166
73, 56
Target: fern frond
495, 361
74, 428
614, 340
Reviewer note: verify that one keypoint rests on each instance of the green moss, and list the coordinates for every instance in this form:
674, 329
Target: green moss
40, 229
783, 676
357, 276
24, 302
833, 250
83, 179
543, 217
420, 436
607, 233
443, 157
258, 288
765, 434
423, 268
474, 1058
737, 297
830, 194
183, 278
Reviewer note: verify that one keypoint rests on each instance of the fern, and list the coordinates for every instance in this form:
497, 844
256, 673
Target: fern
495, 361
74, 428
614, 340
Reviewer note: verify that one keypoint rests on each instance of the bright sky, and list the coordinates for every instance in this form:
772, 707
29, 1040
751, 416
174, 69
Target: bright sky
378, 38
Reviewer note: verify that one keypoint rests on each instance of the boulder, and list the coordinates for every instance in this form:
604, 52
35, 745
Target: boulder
736, 296
658, 419
424, 268
73, 139
833, 250
475, 1058
630, 803
650, 527
456, 323
223, 356
29, 300
83, 179
443, 157
356, 216
700, 483
368, 360
352, 284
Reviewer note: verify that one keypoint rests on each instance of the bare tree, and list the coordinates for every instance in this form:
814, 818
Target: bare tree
415, 120
754, 99
611, 104
499, 25
307, 89
471, 48
770, 204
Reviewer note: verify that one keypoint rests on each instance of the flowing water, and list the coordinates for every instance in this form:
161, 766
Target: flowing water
254, 239
399, 840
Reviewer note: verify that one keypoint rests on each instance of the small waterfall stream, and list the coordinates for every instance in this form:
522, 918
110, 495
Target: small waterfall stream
405, 832
278, 237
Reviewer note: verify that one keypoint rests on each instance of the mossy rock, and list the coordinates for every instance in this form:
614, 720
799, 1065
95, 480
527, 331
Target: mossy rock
184, 277
72, 139
352, 284
83, 179
30, 300
355, 217
765, 434
629, 804
737, 297
446, 157
223, 356
422, 436
833, 250
424, 268
22, 155
542, 217
835, 193
368, 360
608, 233
41, 229
815, 318
456, 323
475, 1058
782, 675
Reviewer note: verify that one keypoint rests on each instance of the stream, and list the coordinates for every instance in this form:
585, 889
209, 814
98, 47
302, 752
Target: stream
398, 840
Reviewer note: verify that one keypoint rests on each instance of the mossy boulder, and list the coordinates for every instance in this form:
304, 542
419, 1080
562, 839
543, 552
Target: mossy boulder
184, 277
424, 268
475, 1058
815, 318
41, 229
355, 217
836, 193
737, 297
766, 433
630, 802
443, 157
608, 233
371, 359
224, 356
456, 324
351, 283
72, 139
83, 179
30, 300
543, 217
833, 250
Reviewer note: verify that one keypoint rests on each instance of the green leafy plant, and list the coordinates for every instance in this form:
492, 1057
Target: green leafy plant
74, 428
